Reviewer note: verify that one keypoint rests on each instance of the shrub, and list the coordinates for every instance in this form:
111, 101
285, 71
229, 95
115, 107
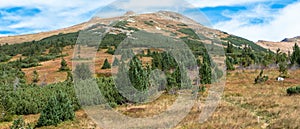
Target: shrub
63, 65
150, 23
260, 78
110, 51
20, 124
190, 32
121, 24
293, 90
58, 109
82, 71
229, 63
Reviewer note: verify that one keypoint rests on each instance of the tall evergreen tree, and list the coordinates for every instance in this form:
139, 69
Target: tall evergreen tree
205, 73
295, 58
106, 65
116, 62
181, 77
137, 74
229, 48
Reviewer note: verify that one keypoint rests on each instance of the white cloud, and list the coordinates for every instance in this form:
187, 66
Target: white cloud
215, 3
145, 6
280, 24
54, 14
57, 14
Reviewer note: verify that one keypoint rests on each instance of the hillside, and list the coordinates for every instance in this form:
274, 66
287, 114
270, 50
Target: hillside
161, 25
45, 71
166, 23
286, 45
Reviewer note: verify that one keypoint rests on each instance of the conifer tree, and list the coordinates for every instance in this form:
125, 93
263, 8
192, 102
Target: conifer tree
116, 62
229, 48
180, 75
295, 58
106, 65
63, 65
205, 70
205, 73
138, 76
35, 78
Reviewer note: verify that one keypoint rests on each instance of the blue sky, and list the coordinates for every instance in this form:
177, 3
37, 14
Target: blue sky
253, 19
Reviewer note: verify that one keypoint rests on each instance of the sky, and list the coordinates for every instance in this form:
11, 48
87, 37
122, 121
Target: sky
271, 20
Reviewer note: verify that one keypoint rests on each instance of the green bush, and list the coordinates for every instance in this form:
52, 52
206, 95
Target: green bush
150, 23
261, 78
58, 109
63, 65
82, 71
110, 51
190, 32
293, 90
30, 99
121, 24
20, 124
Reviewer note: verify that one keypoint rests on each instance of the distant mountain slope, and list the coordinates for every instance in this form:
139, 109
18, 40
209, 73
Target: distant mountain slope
286, 45
166, 23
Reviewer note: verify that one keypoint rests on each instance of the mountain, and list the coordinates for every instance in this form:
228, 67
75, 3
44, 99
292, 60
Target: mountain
43, 51
163, 22
286, 45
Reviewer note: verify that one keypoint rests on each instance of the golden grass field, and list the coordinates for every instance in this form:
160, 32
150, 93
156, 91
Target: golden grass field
243, 105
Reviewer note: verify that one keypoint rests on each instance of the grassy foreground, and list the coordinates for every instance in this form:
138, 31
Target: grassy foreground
244, 105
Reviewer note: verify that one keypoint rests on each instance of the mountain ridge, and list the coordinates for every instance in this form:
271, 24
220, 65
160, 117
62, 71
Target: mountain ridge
285, 45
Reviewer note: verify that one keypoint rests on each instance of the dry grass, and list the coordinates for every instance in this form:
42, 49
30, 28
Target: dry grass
243, 105
273, 46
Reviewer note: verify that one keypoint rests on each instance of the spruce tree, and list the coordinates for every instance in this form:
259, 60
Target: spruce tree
205, 73
295, 58
106, 65
138, 76
116, 62
63, 65
35, 78
181, 77
205, 70
229, 48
